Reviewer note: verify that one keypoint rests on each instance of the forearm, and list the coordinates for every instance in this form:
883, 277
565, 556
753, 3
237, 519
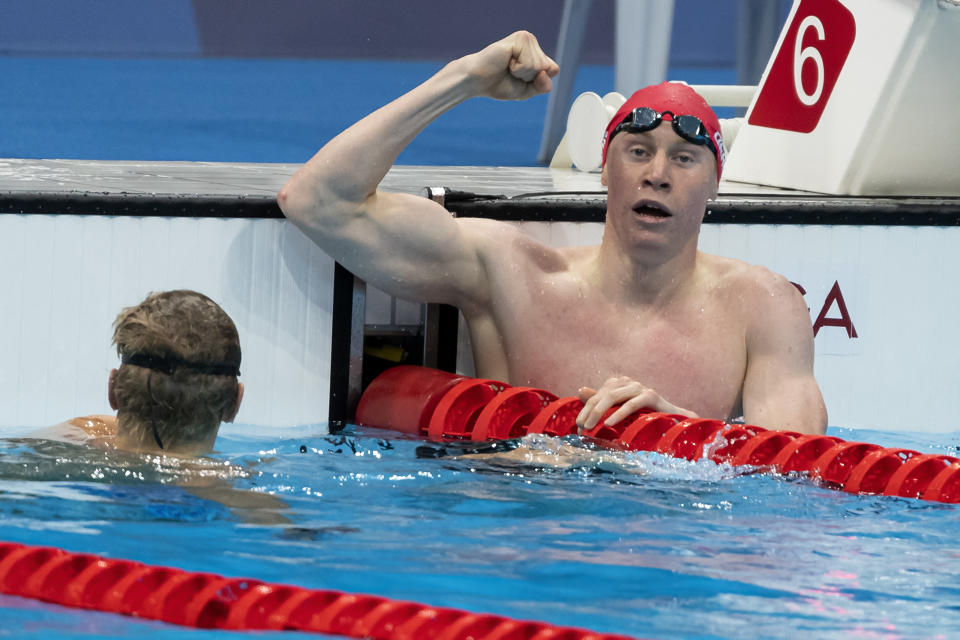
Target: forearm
347, 170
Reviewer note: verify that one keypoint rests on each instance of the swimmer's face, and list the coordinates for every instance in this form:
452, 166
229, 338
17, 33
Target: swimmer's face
658, 185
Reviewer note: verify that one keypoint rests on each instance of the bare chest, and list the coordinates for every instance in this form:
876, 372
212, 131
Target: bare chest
561, 338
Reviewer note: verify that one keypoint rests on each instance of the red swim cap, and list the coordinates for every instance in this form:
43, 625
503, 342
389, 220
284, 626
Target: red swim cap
677, 98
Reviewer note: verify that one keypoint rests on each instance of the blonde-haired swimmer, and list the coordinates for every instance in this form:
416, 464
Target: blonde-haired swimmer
643, 319
177, 381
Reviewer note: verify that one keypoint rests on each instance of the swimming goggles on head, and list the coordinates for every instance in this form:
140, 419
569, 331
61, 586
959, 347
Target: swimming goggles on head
168, 365
690, 128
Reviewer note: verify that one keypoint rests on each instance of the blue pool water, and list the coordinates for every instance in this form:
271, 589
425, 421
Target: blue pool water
620, 542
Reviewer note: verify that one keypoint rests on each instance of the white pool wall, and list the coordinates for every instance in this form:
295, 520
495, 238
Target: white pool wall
66, 277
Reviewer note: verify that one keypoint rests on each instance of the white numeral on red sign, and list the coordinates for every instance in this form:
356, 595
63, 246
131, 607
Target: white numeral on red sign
809, 53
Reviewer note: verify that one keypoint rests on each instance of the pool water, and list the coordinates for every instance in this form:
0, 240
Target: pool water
621, 542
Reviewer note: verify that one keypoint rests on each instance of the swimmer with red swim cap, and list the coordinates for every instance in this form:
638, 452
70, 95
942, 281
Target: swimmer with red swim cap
687, 112
644, 319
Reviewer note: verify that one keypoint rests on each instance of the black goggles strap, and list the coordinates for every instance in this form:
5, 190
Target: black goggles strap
169, 365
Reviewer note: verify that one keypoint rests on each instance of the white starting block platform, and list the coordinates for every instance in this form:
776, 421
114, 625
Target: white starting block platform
860, 97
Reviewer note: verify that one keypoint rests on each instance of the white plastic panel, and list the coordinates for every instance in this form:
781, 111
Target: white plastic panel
68, 276
897, 285
900, 60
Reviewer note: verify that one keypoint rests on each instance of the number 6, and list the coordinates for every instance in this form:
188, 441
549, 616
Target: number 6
809, 53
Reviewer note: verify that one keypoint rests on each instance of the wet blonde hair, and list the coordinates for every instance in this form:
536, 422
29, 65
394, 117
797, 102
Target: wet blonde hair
181, 358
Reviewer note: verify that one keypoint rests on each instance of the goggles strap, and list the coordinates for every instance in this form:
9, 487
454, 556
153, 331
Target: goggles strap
168, 365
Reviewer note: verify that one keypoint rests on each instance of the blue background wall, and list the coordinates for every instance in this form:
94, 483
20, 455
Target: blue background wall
703, 30
272, 80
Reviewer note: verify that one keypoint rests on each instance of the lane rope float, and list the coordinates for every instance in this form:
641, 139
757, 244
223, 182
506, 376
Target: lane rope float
210, 601
438, 405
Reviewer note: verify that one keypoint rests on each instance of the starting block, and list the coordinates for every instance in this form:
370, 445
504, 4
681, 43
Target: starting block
859, 98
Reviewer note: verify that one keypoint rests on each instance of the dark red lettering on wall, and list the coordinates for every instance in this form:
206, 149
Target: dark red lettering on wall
835, 296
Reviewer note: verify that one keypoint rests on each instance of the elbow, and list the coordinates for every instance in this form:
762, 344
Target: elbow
283, 197
314, 207
289, 200
299, 203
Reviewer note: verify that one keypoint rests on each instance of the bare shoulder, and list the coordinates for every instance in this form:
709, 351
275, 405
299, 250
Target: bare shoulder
97, 425
762, 293
82, 430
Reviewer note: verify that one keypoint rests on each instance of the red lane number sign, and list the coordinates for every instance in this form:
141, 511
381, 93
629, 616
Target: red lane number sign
806, 68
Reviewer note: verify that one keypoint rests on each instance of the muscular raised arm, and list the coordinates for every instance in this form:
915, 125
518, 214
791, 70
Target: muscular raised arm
407, 245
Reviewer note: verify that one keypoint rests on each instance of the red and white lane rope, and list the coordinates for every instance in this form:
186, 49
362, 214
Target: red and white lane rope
439, 405
210, 601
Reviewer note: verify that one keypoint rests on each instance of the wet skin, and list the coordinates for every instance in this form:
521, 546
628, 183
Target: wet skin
644, 317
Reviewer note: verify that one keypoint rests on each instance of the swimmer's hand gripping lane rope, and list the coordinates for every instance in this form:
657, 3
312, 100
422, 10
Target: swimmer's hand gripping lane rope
440, 405
213, 602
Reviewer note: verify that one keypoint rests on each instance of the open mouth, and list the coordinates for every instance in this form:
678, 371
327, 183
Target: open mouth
652, 209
